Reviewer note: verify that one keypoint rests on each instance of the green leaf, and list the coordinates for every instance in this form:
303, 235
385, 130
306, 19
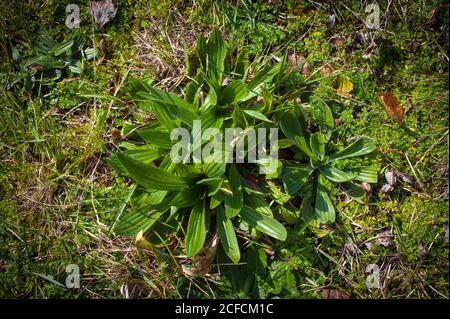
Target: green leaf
137, 221
289, 212
216, 200
263, 79
259, 205
233, 204
61, 48
368, 174
362, 146
263, 223
321, 113
233, 93
185, 198
216, 51
47, 62
213, 184
354, 191
156, 136
336, 175
257, 115
149, 176
227, 235
242, 63
175, 106
291, 127
213, 169
196, 229
144, 155
285, 143
91, 53
308, 209
294, 177
324, 208
317, 141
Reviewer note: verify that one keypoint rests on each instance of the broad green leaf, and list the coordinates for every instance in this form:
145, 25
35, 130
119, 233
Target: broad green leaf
233, 204
200, 49
242, 63
196, 229
262, 79
317, 142
257, 115
213, 184
362, 146
336, 175
258, 204
156, 136
263, 223
213, 169
294, 177
91, 53
289, 212
233, 93
216, 200
291, 127
324, 208
47, 62
61, 48
368, 174
144, 155
285, 143
140, 220
308, 209
227, 235
323, 117
149, 176
354, 191
185, 198
216, 50
175, 106
138, 85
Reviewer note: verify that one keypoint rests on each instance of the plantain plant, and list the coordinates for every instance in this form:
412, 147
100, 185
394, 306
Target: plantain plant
213, 197
50, 59
312, 164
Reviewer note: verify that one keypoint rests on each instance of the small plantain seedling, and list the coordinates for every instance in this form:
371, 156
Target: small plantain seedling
50, 60
210, 197
310, 177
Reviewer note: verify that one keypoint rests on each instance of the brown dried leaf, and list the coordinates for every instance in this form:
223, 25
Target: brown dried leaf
306, 69
102, 11
392, 106
385, 238
202, 263
331, 293
325, 70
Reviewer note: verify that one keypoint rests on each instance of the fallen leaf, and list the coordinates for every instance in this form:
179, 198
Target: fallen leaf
102, 11
422, 251
344, 86
392, 106
306, 69
385, 238
386, 188
331, 22
202, 263
333, 294
325, 70
391, 177
406, 178
367, 188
